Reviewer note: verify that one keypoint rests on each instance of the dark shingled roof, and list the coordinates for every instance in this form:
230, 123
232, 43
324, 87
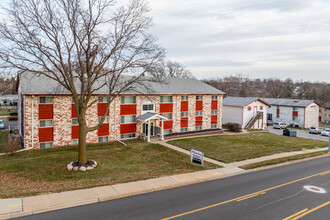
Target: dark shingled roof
31, 84
289, 102
241, 101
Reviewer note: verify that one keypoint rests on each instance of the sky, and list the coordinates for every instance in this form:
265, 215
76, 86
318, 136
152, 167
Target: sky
256, 38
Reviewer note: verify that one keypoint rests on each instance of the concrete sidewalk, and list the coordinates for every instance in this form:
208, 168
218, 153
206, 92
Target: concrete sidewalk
12, 208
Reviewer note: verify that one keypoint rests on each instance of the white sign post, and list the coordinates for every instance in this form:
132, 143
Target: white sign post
196, 157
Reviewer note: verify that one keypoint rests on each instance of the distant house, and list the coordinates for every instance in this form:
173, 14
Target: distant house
325, 113
8, 100
48, 117
249, 112
302, 113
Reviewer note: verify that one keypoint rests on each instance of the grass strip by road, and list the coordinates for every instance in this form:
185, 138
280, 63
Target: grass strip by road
282, 160
233, 148
3, 140
43, 171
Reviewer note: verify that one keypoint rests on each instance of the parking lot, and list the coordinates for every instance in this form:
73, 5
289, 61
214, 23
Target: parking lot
300, 133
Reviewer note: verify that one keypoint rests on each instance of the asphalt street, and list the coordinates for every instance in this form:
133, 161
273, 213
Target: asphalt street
12, 124
300, 133
276, 193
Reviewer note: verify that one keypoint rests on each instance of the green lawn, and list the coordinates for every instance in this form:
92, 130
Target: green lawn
3, 139
231, 148
43, 171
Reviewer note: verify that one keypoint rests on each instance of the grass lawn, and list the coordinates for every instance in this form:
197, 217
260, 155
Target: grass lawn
3, 140
283, 159
43, 171
231, 148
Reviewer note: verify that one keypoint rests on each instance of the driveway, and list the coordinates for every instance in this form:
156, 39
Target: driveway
300, 133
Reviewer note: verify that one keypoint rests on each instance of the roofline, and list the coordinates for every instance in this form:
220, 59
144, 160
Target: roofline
136, 94
298, 105
260, 100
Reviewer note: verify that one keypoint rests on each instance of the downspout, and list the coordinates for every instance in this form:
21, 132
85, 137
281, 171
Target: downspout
32, 130
115, 124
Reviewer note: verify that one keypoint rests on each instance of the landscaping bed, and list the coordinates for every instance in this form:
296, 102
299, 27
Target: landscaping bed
44, 171
232, 148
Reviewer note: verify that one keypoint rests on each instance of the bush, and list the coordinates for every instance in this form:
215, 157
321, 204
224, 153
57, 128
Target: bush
13, 113
12, 144
234, 127
13, 118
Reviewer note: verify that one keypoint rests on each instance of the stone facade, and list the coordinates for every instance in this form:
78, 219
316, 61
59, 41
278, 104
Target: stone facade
62, 117
325, 114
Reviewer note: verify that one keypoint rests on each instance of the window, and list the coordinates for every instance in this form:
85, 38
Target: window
261, 107
75, 142
327, 115
149, 107
199, 97
327, 108
74, 121
249, 108
128, 100
184, 98
45, 123
103, 139
199, 113
295, 109
327, 121
46, 145
167, 115
103, 99
127, 119
294, 118
214, 97
269, 117
46, 100
127, 136
214, 112
166, 99
214, 126
198, 128
106, 120
184, 129
168, 131
184, 114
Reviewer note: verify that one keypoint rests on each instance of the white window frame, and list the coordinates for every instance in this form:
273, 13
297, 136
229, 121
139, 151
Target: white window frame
214, 97
123, 100
295, 109
184, 130
213, 126
184, 98
198, 128
199, 113
214, 112
74, 121
294, 118
102, 99
148, 105
162, 101
46, 98
46, 126
184, 114
166, 115
75, 142
47, 147
106, 137
106, 120
168, 131
126, 138
126, 116
199, 97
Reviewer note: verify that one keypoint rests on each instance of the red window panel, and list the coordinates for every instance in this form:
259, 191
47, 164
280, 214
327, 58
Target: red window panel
45, 111
128, 109
45, 134
127, 128
75, 132
166, 107
278, 111
167, 124
184, 106
199, 121
73, 111
295, 113
101, 107
184, 122
214, 105
104, 130
199, 105
214, 119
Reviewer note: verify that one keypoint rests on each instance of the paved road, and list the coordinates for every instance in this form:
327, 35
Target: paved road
12, 124
275, 193
300, 133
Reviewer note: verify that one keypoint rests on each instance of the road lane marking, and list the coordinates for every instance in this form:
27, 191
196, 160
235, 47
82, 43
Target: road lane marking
258, 194
312, 210
294, 215
241, 197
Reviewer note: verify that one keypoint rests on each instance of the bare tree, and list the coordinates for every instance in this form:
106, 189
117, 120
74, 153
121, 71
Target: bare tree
170, 69
84, 45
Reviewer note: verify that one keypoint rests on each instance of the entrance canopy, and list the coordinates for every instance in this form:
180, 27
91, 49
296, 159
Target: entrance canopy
150, 116
147, 117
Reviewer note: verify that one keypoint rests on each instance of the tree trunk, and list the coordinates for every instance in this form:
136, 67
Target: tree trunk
82, 156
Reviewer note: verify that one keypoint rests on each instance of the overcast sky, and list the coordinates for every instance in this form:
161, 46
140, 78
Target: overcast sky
258, 38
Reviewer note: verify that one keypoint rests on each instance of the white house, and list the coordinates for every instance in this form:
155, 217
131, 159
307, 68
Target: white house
249, 112
302, 113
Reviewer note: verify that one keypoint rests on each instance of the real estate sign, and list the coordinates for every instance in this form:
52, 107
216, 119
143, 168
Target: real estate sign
197, 157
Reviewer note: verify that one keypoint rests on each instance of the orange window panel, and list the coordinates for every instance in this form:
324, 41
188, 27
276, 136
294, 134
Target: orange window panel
45, 134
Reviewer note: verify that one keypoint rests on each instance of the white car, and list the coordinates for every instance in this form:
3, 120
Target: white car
315, 130
279, 125
326, 132
2, 125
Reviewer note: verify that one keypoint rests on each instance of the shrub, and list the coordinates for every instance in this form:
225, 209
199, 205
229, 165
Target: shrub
13, 113
13, 118
234, 127
12, 145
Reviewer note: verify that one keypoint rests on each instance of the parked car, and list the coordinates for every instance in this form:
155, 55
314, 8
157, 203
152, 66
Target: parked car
315, 130
326, 132
2, 125
279, 125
